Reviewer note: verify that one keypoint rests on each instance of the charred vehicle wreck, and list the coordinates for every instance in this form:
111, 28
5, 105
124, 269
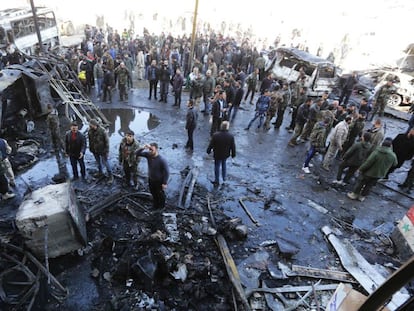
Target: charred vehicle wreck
320, 74
27, 89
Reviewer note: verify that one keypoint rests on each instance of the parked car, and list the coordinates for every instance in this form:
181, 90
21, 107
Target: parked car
321, 74
369, 81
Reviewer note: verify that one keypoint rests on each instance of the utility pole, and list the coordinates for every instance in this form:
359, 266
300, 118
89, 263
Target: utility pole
193, 36
36, 24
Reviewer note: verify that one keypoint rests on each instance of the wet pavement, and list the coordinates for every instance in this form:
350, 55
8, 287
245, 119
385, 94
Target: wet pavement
266, 174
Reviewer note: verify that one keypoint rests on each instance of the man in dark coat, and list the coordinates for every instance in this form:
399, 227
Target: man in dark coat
177, 85
218, 110
153, 77
75, 146
224, 146
347, 88
99, 146
158, 174
238, 96
190, 124
108, 85
165, 76
403, 147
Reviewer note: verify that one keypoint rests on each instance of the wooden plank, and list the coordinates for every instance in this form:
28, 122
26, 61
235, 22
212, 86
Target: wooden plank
232, 271
322, 274
359, 268
248, 213
194, 174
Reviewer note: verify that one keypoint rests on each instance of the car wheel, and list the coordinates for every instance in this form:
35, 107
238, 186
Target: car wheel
394, 100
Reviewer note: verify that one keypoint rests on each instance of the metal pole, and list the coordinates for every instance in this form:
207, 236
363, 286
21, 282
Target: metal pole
36, 24
193, 35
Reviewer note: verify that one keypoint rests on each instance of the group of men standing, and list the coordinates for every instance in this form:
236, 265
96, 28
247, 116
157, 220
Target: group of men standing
129, 153
338, 132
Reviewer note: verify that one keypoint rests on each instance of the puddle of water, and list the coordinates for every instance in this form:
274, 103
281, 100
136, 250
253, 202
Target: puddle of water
121, 121
124, 120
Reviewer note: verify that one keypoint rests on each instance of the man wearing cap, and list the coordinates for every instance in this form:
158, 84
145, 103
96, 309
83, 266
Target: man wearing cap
128, 159
99, 146
75, 147
158, 174
122, 74
374, 168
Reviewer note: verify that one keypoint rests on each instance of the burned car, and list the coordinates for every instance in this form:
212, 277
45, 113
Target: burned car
321, 74
369, 81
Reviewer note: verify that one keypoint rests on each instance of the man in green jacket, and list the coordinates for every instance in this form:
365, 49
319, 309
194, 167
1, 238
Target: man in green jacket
353, 158
373, 169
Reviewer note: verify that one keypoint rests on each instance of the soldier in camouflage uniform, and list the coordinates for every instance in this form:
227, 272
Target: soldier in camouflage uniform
122, 74
99, 146
299, 98
128, 159
276, 99
53, 123
251, 82
317, 142
287, 100
381, 98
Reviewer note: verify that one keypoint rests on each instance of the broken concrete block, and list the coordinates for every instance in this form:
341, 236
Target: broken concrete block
51, 213
403, 235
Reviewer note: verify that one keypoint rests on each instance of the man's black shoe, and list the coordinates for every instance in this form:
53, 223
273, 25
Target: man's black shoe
215, 183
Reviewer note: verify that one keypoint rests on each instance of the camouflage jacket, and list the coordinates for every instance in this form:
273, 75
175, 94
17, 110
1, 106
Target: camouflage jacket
384, 92
276, 99
122, 74
98, 141
127, 152
318, 135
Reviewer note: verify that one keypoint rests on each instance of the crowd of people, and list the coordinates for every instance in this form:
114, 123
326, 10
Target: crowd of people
223, 75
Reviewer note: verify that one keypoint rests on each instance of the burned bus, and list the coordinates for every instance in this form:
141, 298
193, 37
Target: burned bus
17, 27
321, 74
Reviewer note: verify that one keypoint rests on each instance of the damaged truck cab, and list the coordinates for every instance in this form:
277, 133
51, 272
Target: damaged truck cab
290, 63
